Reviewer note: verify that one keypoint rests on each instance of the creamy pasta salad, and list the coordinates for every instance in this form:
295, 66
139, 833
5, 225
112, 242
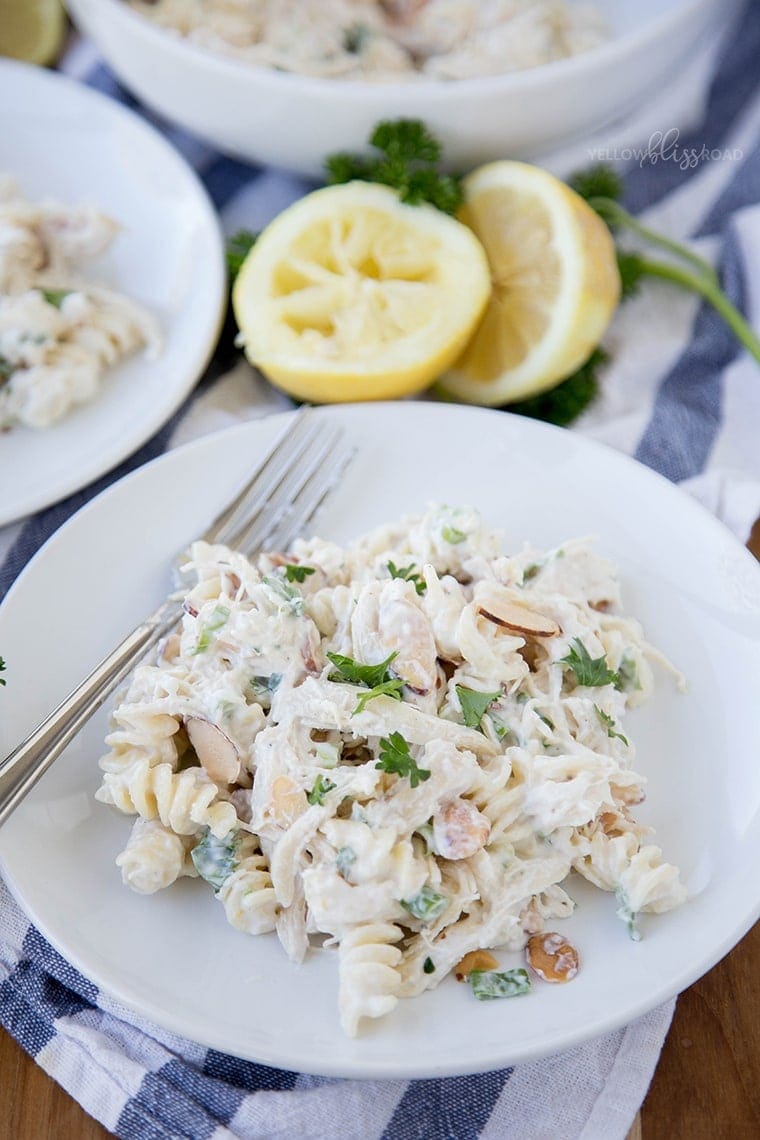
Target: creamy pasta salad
406, 745
59, 335
385, 39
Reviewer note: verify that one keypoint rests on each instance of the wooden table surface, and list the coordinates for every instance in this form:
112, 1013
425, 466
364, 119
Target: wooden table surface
706, 1086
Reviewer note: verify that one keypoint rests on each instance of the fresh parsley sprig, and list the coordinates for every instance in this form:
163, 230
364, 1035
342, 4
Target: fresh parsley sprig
396, 758
588, 670
237, 249
474, 704
390, 688
2, 670
376, 678
563, 404
295, 573
602, 188
407, 160
408, 574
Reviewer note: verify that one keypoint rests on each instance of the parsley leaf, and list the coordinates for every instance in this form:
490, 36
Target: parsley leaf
55, 297
408, 574
321, 787
609, 724
563, 404
407, 160
352, 672
474, 704
6, 370
384, 689
591, 671
2, 670
428, 966
601, 181
295, 573
237, 249
396, 758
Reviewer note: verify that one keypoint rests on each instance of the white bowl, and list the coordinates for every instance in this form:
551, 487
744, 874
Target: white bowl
294, 121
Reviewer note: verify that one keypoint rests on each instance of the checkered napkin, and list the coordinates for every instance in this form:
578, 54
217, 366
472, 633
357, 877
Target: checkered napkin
682, 398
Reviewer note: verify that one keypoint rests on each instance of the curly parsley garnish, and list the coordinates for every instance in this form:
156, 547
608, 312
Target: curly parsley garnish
474, 704
237, 249
396, 758
295, 573
321, 787
2, 670
588, 670
407, 160
408, 574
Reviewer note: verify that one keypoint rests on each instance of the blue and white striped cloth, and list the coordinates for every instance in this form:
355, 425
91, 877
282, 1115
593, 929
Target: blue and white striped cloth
680, 396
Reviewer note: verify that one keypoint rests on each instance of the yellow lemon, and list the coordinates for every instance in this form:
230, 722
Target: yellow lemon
555, 284
350, 294
31, 30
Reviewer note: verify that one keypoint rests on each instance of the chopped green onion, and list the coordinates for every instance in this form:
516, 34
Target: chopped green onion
427, 906
489, 984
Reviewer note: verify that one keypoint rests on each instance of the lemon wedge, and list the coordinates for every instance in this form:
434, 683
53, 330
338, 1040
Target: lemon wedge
555, 284
350, 294
31, 30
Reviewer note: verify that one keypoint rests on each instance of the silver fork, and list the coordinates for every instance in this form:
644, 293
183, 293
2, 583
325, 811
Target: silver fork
277, 502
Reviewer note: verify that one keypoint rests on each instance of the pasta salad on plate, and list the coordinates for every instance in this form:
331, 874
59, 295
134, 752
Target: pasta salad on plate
396, 751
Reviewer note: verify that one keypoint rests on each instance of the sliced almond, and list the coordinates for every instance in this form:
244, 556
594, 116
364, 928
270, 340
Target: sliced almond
475, 960
214, 749
552, 957
518, 619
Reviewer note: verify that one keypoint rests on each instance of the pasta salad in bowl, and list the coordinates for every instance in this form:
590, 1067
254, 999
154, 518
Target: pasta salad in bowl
400, 748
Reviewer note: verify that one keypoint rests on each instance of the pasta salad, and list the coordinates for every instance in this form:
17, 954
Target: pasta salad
385, 40
399, 749
59, 334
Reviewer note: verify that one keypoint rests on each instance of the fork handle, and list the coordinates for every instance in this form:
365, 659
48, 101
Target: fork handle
23, 767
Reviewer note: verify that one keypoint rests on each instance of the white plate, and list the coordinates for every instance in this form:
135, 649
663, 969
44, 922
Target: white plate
172, 956
62, 140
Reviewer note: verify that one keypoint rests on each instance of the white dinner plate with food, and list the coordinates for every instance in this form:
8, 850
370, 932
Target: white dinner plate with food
172, 957
65, 143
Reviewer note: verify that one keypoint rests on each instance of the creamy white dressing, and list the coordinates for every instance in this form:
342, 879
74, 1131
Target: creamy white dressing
59, 334
384, 821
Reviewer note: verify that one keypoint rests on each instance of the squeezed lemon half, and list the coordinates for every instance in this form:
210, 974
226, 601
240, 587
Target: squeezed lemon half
350, 294
31, 30
555, 284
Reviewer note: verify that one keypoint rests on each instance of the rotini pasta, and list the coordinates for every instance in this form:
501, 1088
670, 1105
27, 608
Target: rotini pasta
405, 746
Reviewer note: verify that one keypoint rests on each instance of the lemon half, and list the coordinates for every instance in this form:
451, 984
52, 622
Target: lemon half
555, 284
350, 294
31, 30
